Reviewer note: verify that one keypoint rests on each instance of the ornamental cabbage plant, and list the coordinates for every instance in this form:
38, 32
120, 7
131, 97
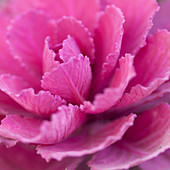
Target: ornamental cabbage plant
84, 84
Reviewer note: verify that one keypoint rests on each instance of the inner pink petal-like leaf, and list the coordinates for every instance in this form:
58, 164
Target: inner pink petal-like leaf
70, 26
69, 50
111, 95
70, 80
49, 55
107, 38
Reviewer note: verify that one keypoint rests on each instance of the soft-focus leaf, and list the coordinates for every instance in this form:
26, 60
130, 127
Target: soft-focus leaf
148, 137
161, 20
85, 10
23, 157
162, 161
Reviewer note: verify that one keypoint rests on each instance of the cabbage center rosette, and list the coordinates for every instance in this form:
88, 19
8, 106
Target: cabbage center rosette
85, 77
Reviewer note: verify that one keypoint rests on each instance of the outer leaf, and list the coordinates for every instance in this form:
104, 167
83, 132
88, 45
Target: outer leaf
91, 139
31, 130
43, 103
70, 80
149, 136
160, 95
11, 64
